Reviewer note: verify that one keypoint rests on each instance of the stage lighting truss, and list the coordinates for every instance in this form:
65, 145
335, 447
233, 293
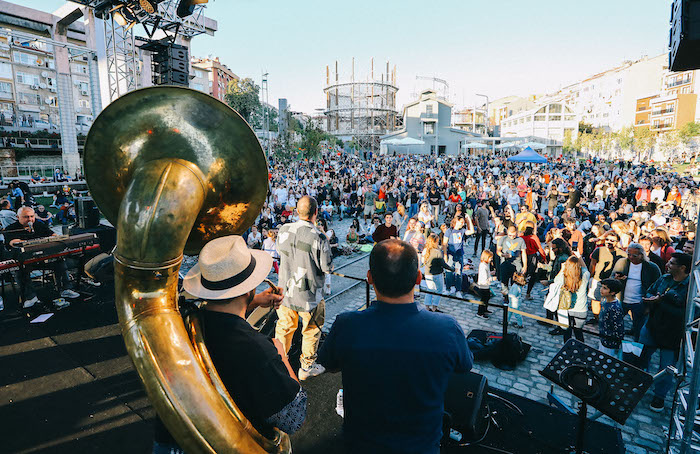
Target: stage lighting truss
153, 15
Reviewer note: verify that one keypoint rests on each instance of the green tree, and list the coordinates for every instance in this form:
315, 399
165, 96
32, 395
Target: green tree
644, 140
625, 137
311, 137
585, 128
243, 96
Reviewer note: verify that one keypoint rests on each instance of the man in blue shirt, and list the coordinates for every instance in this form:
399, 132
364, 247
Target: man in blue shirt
396, 360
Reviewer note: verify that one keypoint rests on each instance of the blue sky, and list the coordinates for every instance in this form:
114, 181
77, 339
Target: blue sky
496, 47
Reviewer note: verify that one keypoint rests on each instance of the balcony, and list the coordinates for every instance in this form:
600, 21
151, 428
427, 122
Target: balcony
662, 126
683, 81
663, 111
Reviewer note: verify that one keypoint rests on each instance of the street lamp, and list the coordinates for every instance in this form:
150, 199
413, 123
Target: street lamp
486, 123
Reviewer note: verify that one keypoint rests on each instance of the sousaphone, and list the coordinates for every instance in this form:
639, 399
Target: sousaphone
172, 168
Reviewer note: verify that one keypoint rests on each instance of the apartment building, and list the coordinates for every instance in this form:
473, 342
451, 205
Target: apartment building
470, 119
218, 76
550, 123
608, 100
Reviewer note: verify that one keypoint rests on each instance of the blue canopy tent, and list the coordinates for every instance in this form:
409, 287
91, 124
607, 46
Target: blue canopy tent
528, 155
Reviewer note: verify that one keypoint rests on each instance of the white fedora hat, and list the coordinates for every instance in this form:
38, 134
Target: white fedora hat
227, 269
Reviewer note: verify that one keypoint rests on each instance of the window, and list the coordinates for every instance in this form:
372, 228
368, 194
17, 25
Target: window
83, 104
27, 79
84, 86
26, 59
198, 73
555, 108
80, 69
5, 70
555, 118
429, 109
429, 128
28, 98
199, 87
5, 87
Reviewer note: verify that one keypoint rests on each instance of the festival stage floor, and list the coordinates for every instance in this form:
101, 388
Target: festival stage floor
68, 386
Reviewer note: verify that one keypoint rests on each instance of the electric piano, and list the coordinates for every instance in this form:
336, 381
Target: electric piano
53, 247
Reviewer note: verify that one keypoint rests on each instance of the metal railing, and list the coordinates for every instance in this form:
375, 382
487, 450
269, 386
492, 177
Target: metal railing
39, 143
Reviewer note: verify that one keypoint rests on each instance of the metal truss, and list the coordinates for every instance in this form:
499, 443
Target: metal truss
121, 58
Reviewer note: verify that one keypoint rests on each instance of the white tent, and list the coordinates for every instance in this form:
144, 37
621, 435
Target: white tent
533, 145
474, 145
506, 145
409, 141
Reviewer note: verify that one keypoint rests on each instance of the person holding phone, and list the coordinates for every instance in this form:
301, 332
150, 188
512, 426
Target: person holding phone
664, 329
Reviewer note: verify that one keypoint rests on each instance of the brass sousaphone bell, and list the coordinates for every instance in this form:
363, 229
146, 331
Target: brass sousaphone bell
173, 168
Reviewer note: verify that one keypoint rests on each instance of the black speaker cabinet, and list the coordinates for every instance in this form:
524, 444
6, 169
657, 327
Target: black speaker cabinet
86, 212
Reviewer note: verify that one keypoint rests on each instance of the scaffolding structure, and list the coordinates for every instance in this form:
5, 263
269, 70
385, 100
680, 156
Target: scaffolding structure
684, 427
361, 110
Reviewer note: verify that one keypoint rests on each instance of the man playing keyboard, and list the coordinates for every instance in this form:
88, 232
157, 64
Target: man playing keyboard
26, 228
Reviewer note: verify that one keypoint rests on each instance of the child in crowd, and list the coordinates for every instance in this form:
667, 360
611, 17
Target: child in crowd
482, 288
514, 293
611, 319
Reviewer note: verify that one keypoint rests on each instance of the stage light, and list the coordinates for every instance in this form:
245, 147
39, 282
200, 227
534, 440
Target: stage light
150, 6
186, 7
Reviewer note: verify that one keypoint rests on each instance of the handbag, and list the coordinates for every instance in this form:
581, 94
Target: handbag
565, 300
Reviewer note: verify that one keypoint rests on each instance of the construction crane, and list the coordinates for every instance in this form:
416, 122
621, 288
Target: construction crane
436, 80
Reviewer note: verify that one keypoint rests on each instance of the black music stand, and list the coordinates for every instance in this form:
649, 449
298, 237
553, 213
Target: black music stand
604, 382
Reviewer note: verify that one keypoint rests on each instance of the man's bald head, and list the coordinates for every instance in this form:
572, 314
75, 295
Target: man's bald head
307, 208
393, 265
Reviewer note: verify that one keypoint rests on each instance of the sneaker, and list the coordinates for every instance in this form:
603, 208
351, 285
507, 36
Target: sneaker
68, 293
313, 371
91, 281
30, 302
483, 315
516, 325
435, 309
60, 303
657, 404
452, 290
459, 295
557, 331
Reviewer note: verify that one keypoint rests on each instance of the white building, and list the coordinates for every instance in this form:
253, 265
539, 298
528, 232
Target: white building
608, 100
548, 123
429, 120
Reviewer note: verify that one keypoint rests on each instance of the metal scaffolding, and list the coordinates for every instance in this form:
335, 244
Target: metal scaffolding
684, 436
121, 58
361, 110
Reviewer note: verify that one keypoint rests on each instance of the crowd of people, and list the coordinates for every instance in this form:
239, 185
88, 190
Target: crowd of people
595, 238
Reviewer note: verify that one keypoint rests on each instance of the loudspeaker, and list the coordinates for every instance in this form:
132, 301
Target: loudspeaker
465, 405
684, 36
86, 212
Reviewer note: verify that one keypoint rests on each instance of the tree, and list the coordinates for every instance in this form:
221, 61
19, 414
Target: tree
625, 137
585, 128
243, 97
644, 140
311, 137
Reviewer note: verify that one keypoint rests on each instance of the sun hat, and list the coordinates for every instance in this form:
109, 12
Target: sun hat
227, 269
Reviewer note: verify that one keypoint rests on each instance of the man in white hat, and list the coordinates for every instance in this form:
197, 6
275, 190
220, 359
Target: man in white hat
266, 390
305, 259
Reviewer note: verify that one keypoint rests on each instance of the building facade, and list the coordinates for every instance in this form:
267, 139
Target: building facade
428, 120
549, 123
217, 74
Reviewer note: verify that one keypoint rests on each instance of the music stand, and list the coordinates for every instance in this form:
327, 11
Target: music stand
604, 382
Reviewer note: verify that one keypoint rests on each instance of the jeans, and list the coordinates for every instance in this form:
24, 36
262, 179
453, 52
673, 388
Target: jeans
456, 260
639, 318
413, 210
514, 303
667, 357
434, 283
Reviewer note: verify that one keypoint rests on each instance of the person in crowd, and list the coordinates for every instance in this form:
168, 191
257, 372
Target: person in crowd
646, 243
425, 216
305, 260
270, 246
481, 223
603, 261
664, 328
376, 349
661, 244
482, 287
637, 274
611, 324
515, 292
418, 239
535, 253
453, 244
254, 239
435, 266
225, 262
512, 251
386, 230
7, 214
568, 296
